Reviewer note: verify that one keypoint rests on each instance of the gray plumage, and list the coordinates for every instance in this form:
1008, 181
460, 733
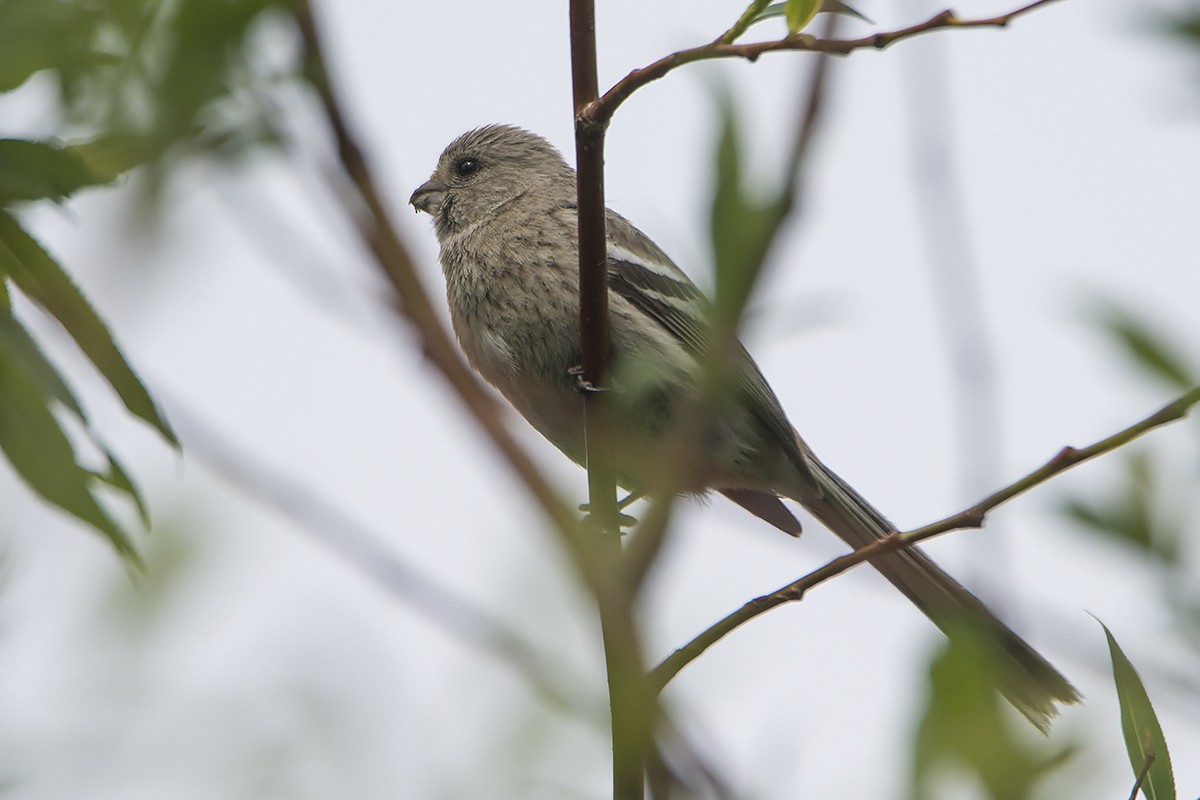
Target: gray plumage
504, 208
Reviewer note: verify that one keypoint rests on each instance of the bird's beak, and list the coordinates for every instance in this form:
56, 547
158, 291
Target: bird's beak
428, 197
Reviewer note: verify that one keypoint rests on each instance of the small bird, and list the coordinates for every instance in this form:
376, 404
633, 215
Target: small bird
503, 203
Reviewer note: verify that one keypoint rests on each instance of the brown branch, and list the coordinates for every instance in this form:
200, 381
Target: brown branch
632, 703
1144, 772
346, 537
374, 225
972, 517
601, 111
594, 333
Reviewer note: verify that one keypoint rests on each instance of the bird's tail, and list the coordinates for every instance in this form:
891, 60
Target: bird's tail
1025, 678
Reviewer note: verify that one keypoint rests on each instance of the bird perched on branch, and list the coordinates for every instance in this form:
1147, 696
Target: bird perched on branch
503, 202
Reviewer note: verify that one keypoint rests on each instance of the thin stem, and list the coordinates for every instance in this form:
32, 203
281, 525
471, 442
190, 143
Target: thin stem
972, 517
1144, 772
632, 704
380, 237
601, 111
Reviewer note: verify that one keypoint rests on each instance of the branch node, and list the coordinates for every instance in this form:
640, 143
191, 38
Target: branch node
1067, 455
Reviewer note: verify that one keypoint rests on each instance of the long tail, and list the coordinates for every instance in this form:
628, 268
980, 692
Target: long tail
1029, 682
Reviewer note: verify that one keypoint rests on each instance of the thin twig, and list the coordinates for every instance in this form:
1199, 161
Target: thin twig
374, 224
956, 290
632, 704
603, 109
972, 517
1144, 772
344, 536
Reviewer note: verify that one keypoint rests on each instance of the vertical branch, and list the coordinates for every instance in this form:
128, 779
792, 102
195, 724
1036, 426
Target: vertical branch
593, 277
631, 703
954, 274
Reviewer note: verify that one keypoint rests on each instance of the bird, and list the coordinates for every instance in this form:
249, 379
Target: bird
504, 209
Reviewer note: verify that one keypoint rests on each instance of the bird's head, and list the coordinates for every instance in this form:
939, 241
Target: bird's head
487, 168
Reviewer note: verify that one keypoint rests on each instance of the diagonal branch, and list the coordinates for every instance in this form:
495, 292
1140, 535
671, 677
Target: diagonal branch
374, 224
344, 536
602, 110
972, 517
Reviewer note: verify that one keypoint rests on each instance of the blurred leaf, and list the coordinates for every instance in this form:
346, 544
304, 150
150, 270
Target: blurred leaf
1149, 349
964, 727
205, 60
41, 454
799, 13
1186, 25
112, 155
1136, 513
38, 35
40, 277
827, 7
38, 170
741, 225
21, 348
1139, 723
118, 478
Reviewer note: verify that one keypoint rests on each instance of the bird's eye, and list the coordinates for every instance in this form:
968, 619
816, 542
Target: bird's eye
466, 167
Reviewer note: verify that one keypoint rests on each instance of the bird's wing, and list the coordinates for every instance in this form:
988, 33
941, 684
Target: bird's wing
646, 277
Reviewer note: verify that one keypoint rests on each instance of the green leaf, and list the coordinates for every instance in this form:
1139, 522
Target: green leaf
41, 34
1135, 513
20, 347
40, 452
1143, 735
1149, 349
111, 156
965, 726
17, 347
741, 225
32, 170
827, 7
118, 478
799, 13
40, 278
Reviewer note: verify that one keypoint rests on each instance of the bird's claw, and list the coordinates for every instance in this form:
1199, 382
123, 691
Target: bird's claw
582, 385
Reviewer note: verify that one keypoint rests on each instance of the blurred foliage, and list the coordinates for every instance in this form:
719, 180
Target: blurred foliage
135, 83
797, 13
1148, 349
1144, 738
1137, 513
1149, 510
742, 222
966, 731
1185, 25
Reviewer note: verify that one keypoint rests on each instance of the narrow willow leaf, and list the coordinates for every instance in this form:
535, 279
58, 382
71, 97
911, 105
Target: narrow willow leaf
743, 221
40, 452
799, 13
41, 278
20, 347
827, 7
1139, 723
964, 726
1151, 352
111, 156
118, 478
32, 170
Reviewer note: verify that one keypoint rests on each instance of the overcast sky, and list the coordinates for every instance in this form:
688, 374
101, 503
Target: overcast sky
1074, 139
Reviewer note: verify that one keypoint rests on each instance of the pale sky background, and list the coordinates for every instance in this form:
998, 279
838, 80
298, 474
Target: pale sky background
1075, 134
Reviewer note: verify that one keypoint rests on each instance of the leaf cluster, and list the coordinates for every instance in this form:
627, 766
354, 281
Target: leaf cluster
134, 82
